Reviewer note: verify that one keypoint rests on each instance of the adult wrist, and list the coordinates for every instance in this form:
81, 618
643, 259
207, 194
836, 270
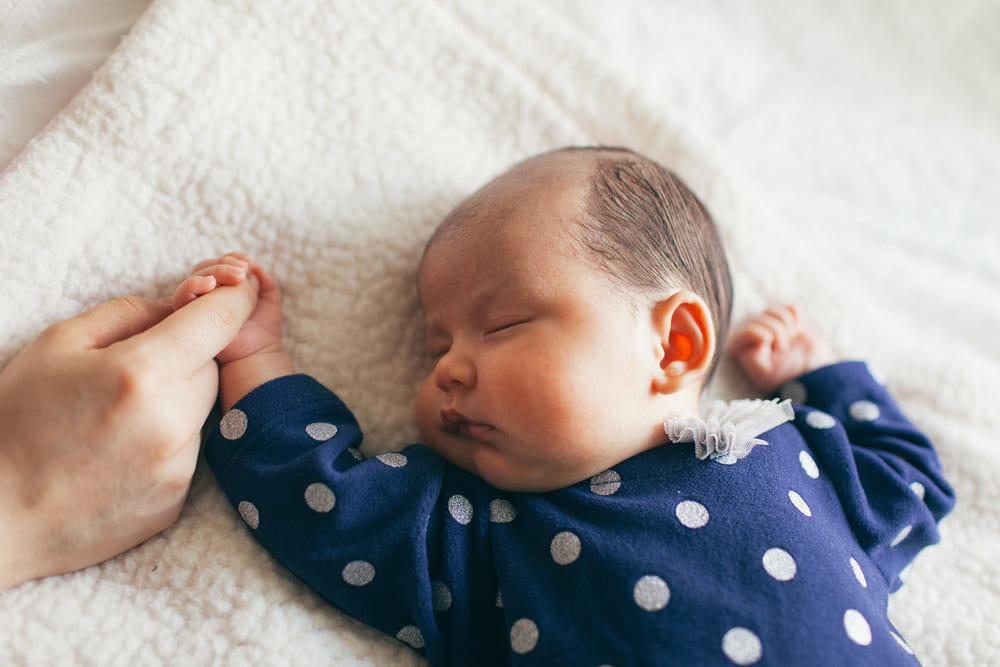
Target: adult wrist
19, 557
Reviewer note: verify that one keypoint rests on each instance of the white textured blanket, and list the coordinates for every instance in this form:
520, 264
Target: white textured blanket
327, 139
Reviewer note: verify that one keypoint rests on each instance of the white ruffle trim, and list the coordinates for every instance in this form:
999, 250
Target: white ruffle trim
728, 430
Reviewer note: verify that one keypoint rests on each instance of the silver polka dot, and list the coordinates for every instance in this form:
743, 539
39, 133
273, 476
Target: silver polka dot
358, 573
808, 464
796, 391
356, 453
820, 420
501, 511
233, 424
863, 411
901, 535
691, 514
859, 574
799, 503
857, 627
393, 459
523, 635
321, 431
499, 601
249, 513
605, 483
319, 497
918, 489
741, 646
779, 564
460, 508
440, 596
899, 640
411, 635
565, 547
651, 593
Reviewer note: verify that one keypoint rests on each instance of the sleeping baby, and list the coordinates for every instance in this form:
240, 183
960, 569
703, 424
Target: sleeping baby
571, 500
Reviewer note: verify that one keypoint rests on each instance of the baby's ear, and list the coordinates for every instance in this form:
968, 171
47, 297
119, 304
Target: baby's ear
685, 341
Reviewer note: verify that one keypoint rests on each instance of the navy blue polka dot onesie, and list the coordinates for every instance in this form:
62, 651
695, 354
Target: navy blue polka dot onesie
786, 557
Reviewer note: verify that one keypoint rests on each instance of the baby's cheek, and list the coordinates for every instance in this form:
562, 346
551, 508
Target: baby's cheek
424, 411
555, 407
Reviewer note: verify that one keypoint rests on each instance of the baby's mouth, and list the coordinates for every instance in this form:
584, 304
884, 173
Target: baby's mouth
456, 423
474, 430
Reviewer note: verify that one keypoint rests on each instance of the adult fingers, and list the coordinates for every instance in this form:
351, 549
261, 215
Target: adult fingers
110, 322
192, 336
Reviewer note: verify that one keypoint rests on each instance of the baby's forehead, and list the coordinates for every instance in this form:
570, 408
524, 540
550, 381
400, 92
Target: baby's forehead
525, 214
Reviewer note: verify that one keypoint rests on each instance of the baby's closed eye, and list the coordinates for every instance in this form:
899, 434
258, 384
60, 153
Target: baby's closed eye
435, 352
506, 326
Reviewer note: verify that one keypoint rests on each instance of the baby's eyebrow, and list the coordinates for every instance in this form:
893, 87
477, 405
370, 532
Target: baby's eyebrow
478, 304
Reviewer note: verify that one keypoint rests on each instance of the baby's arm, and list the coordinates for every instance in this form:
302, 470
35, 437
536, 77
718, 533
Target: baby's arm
256, 355
399, 541
885, 470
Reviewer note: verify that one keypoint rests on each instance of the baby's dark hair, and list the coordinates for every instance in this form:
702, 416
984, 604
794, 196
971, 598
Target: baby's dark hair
649, 232
645, 230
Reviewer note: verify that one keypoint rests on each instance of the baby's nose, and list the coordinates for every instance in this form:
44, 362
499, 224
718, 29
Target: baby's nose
453, 370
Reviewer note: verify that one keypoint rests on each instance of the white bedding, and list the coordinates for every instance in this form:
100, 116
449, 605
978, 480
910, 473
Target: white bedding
850, 155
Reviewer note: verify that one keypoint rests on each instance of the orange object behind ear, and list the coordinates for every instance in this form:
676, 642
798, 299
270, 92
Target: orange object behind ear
680, 347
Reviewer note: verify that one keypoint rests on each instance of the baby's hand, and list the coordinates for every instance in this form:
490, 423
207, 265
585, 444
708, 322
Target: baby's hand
260, 333
776, 346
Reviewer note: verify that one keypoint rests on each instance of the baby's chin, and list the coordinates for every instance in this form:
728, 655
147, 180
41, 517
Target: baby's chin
503, 471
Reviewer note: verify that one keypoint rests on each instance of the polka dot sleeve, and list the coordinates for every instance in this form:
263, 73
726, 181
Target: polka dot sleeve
393, 540
884, 469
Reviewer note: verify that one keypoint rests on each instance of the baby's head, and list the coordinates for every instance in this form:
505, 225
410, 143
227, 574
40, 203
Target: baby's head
571, 304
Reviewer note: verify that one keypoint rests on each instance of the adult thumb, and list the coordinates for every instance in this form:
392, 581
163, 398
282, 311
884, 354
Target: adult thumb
114, 320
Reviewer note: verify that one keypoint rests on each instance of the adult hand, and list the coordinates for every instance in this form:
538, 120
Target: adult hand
100, 422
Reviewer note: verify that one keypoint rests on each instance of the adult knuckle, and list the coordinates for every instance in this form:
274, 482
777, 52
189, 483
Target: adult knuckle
132, 382
128, 302
54, 332
161, 445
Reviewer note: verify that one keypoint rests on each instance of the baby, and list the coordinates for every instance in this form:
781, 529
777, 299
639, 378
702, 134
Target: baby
571, 501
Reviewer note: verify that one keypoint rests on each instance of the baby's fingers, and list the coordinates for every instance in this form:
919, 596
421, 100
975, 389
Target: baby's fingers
225, 274
780, 334
232, 259
753, 348
749, 335
786, 313
191, 289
